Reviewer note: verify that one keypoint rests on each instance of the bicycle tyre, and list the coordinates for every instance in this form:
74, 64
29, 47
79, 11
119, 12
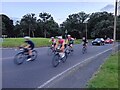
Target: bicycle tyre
71, 51
19, 58
55, 60
84, 50
34, 55
64, 58
49, 52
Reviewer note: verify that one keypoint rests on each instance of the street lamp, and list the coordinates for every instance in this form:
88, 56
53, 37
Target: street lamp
86, 21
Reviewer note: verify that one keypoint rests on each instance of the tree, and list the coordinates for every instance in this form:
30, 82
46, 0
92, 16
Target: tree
7, 26
99, 24
28, 23
49, 26
75, 23
18, 30
45, 17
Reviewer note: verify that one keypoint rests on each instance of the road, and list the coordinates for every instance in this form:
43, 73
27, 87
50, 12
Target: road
41, 73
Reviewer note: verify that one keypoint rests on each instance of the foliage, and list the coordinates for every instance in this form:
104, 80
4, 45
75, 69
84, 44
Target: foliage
99, 24
7, 26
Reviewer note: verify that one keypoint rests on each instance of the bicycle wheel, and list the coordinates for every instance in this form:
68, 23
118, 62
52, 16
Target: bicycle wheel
49, 52
34, 55
71, 51
84, 50
19, 58
64, 58
55, 61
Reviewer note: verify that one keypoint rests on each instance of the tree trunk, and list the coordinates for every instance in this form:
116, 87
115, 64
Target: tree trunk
45, 33
33, 33
29, 30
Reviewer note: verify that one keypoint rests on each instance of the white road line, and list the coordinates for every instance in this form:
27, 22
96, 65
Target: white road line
71, 68
47, 82
13, 57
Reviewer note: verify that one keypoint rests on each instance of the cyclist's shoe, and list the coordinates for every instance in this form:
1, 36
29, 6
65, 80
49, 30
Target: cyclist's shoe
62, 55
29, 59
72, 50
59, 60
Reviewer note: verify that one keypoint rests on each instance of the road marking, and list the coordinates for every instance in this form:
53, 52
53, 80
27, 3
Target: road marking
50, 80
13, 56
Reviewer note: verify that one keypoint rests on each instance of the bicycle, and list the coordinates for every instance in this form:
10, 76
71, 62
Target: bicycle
69, 50
51, 50
23, 54
84, 49
57, 58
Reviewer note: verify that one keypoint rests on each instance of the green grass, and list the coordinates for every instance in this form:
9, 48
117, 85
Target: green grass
39, 42
107, 77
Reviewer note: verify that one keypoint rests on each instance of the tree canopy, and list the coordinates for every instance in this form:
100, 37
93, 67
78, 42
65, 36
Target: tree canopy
99, 24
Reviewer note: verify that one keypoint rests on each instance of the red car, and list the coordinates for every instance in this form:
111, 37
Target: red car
109, 41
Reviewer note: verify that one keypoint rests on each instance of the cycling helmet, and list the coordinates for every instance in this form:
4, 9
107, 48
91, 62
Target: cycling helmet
26, 37
68, 35
59, 37
83, 38
52, 37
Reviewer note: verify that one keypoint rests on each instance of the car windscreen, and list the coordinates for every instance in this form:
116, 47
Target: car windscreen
97, 39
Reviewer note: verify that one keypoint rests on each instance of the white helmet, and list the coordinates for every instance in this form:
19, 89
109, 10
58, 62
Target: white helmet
26, 37
68, 35
59, 37
52, 37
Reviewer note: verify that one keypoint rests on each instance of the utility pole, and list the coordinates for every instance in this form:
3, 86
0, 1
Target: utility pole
86, 30
114, 33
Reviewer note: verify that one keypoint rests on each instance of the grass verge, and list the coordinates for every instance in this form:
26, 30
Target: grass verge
39, 42
107, 76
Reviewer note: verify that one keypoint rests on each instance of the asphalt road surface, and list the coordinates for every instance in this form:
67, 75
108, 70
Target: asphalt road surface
40, 73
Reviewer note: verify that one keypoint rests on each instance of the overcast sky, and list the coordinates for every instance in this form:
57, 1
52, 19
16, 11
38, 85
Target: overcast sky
59, 10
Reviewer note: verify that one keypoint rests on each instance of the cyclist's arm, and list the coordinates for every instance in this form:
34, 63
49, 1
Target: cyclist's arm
56, 45
63, 45
27, 46
50, 40
67, 41
23, 45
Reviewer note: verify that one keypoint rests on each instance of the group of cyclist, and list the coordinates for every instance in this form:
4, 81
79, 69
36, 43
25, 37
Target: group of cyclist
59, 43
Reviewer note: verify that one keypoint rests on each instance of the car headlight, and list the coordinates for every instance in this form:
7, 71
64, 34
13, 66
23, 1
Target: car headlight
98, 41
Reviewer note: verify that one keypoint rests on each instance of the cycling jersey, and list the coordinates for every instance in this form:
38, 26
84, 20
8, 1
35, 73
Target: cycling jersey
53, 41
70, 40
30, 43
84, 42
60, 41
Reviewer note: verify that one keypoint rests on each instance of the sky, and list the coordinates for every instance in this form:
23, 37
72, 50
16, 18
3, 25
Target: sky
59, 10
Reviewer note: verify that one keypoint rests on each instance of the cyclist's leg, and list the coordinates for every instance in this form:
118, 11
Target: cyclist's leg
71, 46
54, 45
62, 53
30, 54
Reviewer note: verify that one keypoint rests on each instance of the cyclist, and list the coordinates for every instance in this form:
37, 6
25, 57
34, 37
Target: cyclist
60, 45
70, 41
53, 40
84, 41
29, 46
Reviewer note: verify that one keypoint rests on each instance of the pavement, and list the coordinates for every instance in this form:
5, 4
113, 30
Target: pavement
74, 73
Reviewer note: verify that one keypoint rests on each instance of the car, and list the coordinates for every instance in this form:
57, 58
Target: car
109, 41
98, 41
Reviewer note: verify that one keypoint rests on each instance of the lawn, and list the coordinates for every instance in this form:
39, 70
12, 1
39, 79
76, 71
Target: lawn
39, 42
107, 77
